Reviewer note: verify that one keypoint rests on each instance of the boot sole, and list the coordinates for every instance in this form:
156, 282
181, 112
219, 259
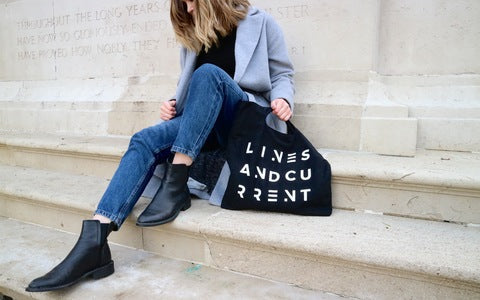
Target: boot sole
97, 273
173, 217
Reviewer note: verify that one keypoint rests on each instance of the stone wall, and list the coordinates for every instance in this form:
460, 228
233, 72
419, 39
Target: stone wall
384, 76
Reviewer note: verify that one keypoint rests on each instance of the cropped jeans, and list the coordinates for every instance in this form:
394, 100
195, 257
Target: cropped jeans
208, 111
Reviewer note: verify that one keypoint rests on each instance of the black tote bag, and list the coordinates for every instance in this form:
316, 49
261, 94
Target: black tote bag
273, 171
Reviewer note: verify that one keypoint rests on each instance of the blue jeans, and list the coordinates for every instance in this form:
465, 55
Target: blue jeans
210, 104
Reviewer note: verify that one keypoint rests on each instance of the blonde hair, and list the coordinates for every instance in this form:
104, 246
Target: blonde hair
210, 19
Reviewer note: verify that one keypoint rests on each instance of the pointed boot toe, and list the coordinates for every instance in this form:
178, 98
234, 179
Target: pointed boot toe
37, 284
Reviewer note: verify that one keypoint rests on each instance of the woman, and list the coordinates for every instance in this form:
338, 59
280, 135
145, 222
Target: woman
231, 52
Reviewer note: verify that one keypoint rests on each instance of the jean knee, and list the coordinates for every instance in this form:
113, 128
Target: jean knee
206, 72
139, 138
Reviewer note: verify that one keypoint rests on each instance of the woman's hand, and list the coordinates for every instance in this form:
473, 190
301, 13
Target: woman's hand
281, 109
167, 110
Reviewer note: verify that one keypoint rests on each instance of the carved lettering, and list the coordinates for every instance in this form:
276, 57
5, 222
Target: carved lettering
99, 31
289, 12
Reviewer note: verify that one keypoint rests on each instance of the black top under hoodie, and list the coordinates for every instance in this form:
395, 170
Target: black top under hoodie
223, 55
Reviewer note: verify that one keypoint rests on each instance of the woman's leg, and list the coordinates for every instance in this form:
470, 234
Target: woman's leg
211, 101
147, 148
182, 159
90, 257
102, 219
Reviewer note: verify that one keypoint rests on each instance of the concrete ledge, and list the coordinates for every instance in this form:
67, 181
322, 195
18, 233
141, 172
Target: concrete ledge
434, 185
429, 167
349, 253
98, 156
139, 274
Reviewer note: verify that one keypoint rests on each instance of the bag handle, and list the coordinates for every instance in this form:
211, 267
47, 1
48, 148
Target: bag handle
257, 111
253, 119
280, 138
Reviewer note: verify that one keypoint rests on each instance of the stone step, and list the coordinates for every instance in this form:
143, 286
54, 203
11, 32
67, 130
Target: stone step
57, 117
117, 108
350, 253
29, 251
78, 118
434, 185
84, 155
89, 106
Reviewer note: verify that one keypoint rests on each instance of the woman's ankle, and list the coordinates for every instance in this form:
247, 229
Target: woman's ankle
182, 159
102, 219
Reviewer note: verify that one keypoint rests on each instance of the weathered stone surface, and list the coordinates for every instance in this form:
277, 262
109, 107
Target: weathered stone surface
417, 57
432, 185
434, 37
138, 274
390, 136
354, 249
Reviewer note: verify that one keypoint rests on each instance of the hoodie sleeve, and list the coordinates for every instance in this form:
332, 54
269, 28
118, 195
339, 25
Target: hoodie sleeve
280, 66
183, 54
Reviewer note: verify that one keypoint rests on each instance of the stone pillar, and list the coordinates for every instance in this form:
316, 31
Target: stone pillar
386, 127
428, 62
